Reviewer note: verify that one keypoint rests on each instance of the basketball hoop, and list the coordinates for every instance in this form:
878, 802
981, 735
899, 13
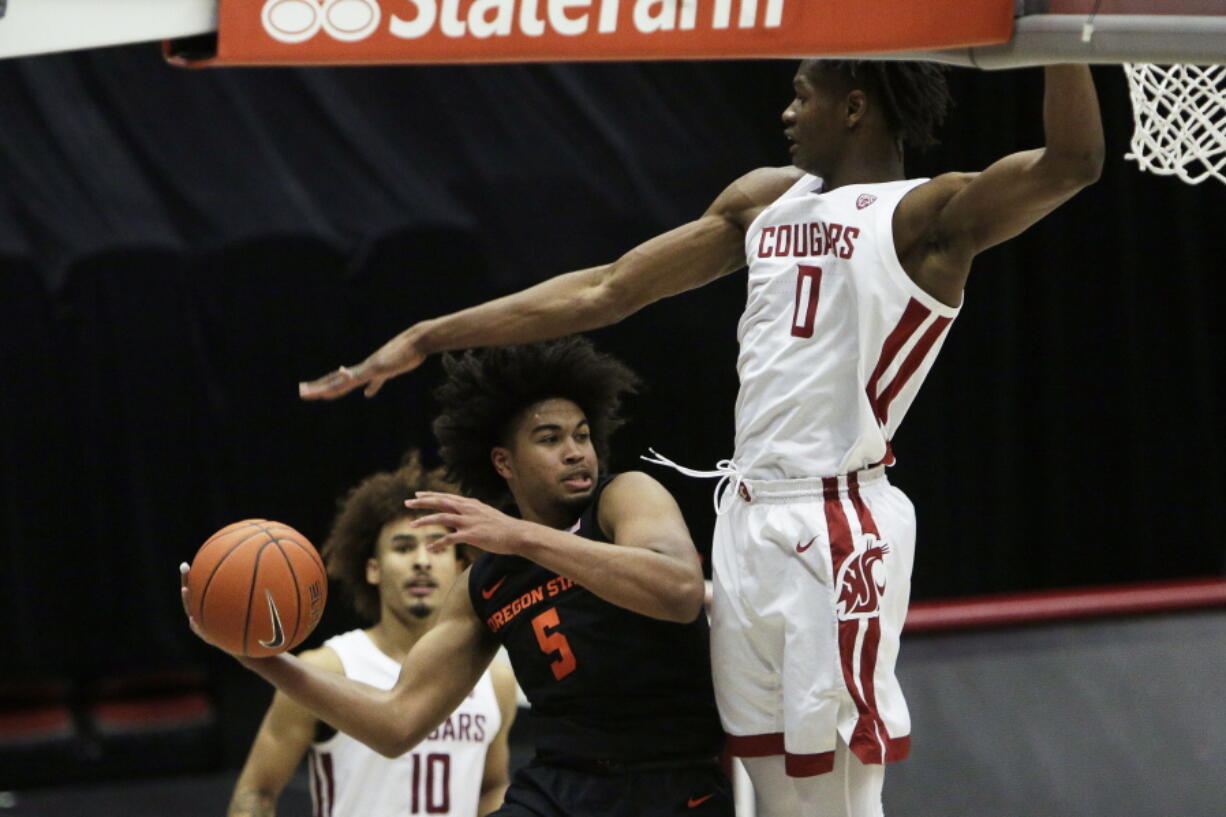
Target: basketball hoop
1179, 120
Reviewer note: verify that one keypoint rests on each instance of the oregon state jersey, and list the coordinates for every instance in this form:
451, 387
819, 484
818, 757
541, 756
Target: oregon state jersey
604, 682
835, 339
441, 775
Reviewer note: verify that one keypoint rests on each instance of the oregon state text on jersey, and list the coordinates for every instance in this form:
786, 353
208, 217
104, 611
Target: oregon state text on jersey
441, 775
604, 682
835, 339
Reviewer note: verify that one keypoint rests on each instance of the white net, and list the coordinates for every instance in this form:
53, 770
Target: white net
1179, 120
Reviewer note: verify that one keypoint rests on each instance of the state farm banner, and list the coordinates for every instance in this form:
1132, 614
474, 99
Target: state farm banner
296, 32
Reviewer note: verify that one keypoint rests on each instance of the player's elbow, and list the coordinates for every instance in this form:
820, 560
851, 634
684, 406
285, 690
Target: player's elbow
391, 747
1075, 169
394, 740
685, 602
1090, 166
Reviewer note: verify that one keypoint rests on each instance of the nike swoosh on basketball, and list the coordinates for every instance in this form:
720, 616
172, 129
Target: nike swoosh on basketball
802, 548
695, 802
492, 589
278, 634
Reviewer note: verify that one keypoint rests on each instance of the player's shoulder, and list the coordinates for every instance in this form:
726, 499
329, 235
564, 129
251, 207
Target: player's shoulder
630, 485
750, 193
633, 494
763, 185
937, 190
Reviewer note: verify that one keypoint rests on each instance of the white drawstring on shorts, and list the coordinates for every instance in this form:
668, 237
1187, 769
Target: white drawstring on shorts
730, 478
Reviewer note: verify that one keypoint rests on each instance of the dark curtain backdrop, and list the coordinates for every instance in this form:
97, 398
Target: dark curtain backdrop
178, 248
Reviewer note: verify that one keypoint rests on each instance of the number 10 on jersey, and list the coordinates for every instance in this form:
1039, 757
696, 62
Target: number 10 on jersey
431, 784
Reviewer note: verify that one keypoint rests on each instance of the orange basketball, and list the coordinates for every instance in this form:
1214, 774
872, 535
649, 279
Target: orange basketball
257, 588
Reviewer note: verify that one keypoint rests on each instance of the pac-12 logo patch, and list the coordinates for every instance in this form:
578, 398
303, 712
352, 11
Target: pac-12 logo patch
861, 581
865, 200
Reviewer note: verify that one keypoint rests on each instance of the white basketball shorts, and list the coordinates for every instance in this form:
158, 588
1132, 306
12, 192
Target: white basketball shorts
811, 583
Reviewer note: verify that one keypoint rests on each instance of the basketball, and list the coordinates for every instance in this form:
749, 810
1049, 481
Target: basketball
257, 588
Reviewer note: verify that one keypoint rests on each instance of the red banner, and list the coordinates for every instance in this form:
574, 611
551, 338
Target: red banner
296, 32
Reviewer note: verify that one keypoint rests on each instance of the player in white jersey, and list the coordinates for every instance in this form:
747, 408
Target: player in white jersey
854, 276
384, 564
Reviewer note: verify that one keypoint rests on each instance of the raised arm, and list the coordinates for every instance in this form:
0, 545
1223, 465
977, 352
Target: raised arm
939, 227
682, 259
651, 566
440, 670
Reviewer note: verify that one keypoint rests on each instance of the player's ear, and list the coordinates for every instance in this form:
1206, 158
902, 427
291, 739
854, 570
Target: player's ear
372, 570
857, 105
501, 459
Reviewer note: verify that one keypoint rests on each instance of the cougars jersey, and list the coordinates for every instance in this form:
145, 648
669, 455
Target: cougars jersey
835, 339
441, 775
604, 682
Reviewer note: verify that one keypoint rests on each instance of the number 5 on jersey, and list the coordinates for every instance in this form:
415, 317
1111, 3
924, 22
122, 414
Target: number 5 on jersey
808, 285
554, 643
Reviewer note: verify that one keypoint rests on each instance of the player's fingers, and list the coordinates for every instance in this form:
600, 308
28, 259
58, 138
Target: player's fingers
435, 502
373, 388
442, 543
183, 591
446, 520
332, 385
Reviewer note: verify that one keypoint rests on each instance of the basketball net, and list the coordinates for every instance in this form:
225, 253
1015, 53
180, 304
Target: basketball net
1179, 120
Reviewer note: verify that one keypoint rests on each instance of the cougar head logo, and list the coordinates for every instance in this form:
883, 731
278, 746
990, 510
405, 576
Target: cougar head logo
861, 582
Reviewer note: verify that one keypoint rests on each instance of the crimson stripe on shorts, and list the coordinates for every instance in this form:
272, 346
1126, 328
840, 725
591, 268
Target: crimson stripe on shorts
915, 314
771, 744
755, 745
909, 366
808, 765
897, 749
866, 739
836, 524
871, 733
841, 547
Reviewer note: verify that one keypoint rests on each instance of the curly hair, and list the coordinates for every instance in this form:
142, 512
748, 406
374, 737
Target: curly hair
914, 95
361, 515
487, 390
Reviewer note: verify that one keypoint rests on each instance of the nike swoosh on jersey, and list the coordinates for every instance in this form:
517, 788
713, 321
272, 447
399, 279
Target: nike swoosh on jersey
802, 548
278, 634
492, 589
695, 802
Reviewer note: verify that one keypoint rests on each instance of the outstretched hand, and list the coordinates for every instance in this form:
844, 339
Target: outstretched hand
397, 356
470, 521
185, 597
